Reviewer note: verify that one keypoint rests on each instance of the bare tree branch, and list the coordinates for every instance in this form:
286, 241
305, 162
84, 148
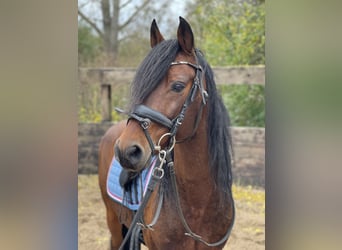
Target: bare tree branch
125, 4
80, 6
91, 23
136, 12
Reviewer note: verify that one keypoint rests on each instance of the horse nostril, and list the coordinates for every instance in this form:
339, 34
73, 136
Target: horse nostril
134, 154
117, 152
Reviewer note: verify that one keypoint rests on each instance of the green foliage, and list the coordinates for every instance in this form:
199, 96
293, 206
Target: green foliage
231, 32
245, 103
90, 103
89, 45
120, 94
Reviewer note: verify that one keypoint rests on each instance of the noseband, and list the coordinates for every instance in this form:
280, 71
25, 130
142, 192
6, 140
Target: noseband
144, 115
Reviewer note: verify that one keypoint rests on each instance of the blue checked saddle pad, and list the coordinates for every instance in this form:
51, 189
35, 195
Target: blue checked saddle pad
132, 195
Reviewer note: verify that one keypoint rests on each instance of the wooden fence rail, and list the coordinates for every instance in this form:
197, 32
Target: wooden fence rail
106, 77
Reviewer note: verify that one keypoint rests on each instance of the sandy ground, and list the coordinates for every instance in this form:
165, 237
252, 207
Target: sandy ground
248, 231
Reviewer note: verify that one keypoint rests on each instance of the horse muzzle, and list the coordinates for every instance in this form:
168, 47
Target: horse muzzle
132, 157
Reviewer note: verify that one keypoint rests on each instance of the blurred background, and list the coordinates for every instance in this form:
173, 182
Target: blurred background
40, 112
113, 39
115, 33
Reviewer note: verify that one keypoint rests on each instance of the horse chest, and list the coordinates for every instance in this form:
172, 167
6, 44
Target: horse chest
169, 232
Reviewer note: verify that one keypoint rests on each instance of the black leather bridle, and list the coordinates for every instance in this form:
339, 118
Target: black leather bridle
144, 115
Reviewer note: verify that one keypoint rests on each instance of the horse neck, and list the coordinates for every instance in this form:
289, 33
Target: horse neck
192, 157
192, 170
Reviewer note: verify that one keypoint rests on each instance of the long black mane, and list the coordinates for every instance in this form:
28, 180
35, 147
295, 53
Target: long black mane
150, 73
152, 70
219, 138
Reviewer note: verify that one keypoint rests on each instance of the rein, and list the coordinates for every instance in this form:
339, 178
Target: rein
144, 115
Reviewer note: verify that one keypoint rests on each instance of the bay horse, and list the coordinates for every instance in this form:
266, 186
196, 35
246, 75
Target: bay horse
175, 109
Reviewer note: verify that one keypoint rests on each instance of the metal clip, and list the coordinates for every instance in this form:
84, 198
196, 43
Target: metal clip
158, 173
162, 157
143, 226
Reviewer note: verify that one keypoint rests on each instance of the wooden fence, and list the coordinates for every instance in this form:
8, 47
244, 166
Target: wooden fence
106, 77
248, 142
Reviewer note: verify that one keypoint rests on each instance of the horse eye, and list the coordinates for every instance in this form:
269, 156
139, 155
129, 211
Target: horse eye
177, 87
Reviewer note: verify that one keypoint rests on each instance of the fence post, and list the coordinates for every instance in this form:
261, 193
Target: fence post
106, 100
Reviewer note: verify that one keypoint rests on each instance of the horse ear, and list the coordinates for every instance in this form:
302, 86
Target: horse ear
156, 36
185, 36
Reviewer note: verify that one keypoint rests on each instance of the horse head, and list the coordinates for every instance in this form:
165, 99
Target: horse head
168, 96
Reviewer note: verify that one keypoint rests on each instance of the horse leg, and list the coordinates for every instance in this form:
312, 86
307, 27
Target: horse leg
116, 241
133, 241
118, 232
115, 229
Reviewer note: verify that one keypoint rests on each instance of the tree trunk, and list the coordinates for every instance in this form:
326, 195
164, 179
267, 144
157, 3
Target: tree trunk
115, 30
110, 27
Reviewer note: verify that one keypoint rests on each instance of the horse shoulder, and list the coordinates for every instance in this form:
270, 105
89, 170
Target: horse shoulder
106, 152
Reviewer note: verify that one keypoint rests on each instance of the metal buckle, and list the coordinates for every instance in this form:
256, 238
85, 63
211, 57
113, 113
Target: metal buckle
145, 123
179, 120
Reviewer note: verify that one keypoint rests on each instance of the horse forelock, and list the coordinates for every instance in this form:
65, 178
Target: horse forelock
152, 70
